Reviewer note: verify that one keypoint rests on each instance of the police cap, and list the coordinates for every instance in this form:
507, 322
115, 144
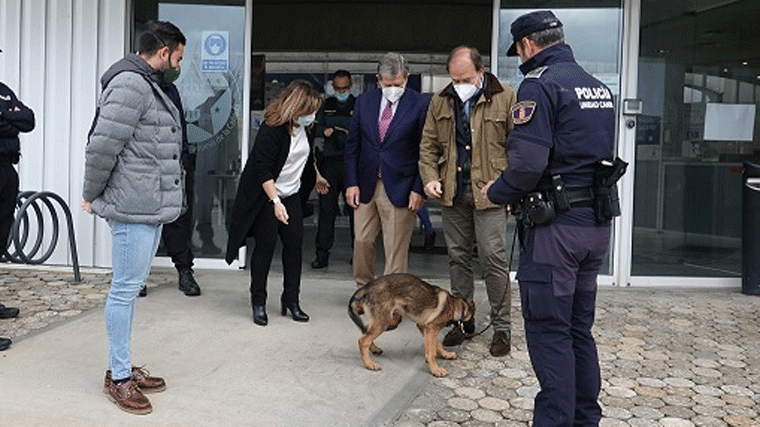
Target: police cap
530, 23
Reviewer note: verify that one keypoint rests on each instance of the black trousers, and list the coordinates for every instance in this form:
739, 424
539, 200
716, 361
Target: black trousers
559, 265
176, 235
266, 229
331, 169
8, 195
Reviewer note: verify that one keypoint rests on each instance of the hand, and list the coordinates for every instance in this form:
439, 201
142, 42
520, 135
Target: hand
87, 207
323, 187
281, 213
433, 189
352, 196
484, 191
415, 201
328, 132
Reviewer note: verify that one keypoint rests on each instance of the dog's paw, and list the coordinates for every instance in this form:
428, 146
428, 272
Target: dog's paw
437, 371
448, 355
373, 366
375, 350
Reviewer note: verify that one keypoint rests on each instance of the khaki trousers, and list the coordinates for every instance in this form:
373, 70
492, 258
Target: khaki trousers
397, 225
463, 226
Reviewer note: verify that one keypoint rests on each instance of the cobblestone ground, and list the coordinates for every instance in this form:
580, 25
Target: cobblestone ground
45, 296
669, 358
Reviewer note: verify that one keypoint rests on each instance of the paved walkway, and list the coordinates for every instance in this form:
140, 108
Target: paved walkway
669, 358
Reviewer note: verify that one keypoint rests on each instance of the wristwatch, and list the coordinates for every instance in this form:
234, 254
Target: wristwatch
276, 200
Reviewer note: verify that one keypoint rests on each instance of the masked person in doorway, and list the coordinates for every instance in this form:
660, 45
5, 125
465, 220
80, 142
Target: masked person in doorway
463, 147
273, 191
563, 138
15, 118
133, 179
382, 177
333, 121
176, 234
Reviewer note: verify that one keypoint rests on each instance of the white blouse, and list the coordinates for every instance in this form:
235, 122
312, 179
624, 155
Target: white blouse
289, 181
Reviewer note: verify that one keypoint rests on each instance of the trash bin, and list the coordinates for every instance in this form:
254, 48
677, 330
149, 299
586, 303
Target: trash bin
751, 228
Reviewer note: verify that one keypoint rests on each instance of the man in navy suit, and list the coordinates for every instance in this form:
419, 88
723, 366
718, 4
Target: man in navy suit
382, 179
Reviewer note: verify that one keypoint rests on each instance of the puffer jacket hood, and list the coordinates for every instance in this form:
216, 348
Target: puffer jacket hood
131, 62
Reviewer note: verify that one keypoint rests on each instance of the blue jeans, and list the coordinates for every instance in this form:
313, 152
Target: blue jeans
133, 248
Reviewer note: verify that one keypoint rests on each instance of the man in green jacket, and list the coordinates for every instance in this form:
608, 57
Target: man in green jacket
463, 147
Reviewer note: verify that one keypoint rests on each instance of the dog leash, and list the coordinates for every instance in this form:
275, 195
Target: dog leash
503, 297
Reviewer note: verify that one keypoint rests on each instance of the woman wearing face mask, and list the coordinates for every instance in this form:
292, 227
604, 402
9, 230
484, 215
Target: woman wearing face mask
273, 190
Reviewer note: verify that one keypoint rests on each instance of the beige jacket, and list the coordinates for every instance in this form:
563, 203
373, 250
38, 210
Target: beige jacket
490, 122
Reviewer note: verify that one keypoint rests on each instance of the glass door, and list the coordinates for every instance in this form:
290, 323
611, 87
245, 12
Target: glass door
211, 87
699, 80
594, 33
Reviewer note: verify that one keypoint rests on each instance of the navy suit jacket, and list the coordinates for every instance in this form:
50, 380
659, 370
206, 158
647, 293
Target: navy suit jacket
396, 157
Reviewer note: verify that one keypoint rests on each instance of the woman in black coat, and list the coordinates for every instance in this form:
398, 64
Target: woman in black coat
273, 190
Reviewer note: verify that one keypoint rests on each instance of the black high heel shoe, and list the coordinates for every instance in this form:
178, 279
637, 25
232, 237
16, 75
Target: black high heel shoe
295, 311
260, 315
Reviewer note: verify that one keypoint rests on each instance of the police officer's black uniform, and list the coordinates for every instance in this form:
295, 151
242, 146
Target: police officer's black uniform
336, 115
564, 125
15, 117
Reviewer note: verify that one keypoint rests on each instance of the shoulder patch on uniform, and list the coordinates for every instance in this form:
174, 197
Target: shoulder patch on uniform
536, 72
523, 111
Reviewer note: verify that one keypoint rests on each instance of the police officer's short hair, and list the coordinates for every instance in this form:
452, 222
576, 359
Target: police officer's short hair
547, 37
391, 64
341, 73
158, 34
474, 57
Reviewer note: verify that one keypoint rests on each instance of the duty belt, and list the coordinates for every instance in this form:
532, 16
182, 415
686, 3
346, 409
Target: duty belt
581, 197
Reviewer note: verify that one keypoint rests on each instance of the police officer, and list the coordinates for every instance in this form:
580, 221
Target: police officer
564, 126
333, 120
15, 117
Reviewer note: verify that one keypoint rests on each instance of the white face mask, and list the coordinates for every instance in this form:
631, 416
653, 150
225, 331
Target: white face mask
465, 91
393, 93
305, 121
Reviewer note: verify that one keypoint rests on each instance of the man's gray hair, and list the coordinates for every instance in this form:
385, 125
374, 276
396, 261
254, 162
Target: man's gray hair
391, 64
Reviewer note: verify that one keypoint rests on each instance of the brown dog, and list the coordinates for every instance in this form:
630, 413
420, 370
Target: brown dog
386, 299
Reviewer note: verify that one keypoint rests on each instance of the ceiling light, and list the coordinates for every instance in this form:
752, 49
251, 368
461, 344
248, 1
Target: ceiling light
745, 63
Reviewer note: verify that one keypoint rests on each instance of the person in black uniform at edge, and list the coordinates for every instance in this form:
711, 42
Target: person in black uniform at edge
15, 117
176, 235
564, 127
333, 120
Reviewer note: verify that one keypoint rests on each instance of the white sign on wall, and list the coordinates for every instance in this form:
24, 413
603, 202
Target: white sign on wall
729, 122
215, 52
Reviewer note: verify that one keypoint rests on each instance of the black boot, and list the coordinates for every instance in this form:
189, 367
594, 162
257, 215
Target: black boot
321, 261
8, 312
295, 311
187, 283
260, 315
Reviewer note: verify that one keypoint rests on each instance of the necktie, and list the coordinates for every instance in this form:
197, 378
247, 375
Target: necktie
385, 120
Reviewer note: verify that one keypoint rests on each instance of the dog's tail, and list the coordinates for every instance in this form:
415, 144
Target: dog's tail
356, 308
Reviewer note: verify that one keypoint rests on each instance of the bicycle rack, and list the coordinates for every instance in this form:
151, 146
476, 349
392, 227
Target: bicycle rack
31, 198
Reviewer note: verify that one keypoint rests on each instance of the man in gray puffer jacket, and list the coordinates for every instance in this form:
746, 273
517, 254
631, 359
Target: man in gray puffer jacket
133, 179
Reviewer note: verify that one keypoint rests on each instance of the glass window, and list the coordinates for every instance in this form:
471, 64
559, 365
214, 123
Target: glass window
211, 88
583, 27
698, 79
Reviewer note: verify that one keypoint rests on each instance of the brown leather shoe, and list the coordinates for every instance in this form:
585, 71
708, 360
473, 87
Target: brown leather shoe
141, 376
129, 398
500, 345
